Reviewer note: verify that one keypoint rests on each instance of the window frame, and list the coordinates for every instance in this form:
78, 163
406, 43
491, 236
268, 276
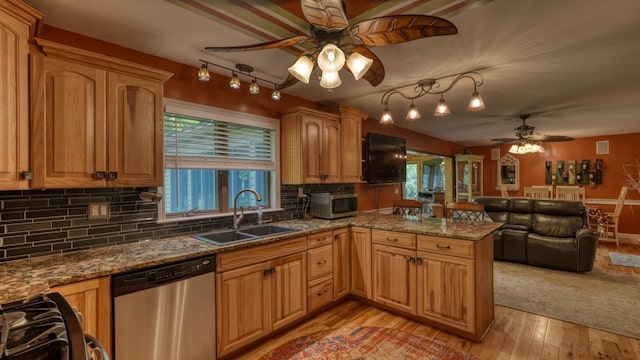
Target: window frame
209, 112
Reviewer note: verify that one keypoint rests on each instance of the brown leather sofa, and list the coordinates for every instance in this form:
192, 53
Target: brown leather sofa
548, 233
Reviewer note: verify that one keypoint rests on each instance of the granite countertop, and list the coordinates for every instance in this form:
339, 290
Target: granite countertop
24, 278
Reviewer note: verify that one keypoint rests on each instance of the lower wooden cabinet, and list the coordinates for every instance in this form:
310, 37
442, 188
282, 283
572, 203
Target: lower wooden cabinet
394, 277
92, 298
254, 300
341, 263
361, 262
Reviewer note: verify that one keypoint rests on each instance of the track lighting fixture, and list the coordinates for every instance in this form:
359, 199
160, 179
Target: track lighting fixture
203, 73
234, 82
430, 86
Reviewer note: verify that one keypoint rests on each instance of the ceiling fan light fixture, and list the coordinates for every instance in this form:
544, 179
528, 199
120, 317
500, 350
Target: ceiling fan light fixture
476, 103
254, 88
413, 113
331, 59
358, 64
442, 109
203, 73
302, 69
526, 147
234, 83
386, 117
330, 79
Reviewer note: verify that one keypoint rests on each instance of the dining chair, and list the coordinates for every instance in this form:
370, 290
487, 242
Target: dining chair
615, 215
537, 192
465, 211
576, 193
548, 187
407, 207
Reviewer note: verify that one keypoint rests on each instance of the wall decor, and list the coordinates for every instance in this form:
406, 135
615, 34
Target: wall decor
548, 165
560, 171
585, 172
572, 172
509, 172
598, 171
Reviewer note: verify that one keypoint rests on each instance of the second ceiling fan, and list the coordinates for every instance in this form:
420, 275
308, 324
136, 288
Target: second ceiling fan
332, 42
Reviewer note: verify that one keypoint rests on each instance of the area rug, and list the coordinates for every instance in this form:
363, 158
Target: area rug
366, 343
601, 299
621, 259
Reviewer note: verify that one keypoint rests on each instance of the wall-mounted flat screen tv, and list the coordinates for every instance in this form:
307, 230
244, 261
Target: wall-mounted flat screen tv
385, 159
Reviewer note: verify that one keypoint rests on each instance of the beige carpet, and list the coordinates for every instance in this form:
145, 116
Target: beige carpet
600, 299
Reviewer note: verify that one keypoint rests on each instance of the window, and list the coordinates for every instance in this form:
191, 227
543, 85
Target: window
211, 154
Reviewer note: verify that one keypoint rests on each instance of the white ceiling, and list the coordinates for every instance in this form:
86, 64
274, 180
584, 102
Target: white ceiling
573, 64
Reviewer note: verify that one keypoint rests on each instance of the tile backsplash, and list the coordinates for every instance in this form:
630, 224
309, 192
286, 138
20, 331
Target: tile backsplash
36, 223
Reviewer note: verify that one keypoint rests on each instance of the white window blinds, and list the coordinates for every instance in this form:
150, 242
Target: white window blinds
198, 143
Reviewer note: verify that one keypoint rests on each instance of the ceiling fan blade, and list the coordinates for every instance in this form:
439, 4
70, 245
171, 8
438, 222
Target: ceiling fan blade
505, 140
289, 81
325, 14
261, 46
549, 138
375, 74
389, 30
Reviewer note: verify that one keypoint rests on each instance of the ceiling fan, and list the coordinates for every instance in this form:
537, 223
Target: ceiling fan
332, 42
526, 132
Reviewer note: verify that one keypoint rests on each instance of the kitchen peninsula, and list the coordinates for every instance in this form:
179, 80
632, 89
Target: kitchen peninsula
448, 265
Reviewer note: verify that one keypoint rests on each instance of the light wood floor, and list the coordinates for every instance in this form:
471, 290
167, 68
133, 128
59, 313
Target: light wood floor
514, 335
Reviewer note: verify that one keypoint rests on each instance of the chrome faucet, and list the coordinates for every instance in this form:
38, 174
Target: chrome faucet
236, 218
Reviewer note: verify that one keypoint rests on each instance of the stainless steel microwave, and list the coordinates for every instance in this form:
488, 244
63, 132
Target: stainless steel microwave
333, 206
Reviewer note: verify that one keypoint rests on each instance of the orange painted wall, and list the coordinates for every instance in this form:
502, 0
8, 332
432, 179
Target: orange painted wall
372, 197
623, 149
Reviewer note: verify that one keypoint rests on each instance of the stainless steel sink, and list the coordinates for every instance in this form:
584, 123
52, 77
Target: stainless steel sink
266, 230
224, 237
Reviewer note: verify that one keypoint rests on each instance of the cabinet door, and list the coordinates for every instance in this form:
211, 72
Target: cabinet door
331, 154
394, 277
92, 298
361, 262
341, 263
14, 102
446, 290
288, 285
312, 149
351, 147
69, 124
135, 119
242, 306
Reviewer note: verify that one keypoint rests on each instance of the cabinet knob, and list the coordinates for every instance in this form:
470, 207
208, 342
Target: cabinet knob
27, 175
444, 247
392, 239
100, 175
323, 293
322, 262
113, 175
412, 260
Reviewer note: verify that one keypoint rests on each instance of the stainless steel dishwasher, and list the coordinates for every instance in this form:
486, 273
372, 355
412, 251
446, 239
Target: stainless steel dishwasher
166, 312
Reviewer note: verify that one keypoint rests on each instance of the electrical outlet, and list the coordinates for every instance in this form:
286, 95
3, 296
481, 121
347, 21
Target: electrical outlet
300, 192
98, 210
396, 191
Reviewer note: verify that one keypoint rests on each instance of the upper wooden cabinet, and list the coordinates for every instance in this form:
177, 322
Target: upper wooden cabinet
96, 120
350, 141
18, 24
321, 146
310, 147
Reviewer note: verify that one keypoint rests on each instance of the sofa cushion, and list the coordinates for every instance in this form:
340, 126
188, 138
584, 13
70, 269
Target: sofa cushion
496, 208
514, 245
553, 252
559, 207
556, 226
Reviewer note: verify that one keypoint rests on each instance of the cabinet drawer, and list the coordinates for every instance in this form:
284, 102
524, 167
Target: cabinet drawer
255, 254
394, 238
320, 293
320, 261
319, 239
446, 246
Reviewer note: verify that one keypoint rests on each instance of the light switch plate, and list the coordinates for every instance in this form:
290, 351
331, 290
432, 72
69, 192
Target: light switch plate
98, 210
